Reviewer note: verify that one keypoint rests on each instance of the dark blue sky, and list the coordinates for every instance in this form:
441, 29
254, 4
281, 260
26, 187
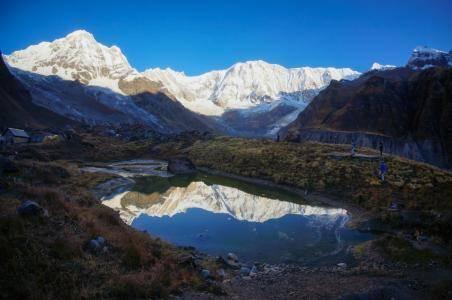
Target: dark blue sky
197, 36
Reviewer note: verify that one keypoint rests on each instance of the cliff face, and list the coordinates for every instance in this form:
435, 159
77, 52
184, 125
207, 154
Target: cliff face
409, 111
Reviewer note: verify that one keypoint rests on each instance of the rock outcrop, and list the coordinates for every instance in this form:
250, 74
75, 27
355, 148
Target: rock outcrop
409, 111
181, 165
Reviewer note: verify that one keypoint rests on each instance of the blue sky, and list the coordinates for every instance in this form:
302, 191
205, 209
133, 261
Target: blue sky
198, 36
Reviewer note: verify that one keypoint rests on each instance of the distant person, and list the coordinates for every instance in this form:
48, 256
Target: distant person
353, 148
383, 170
277, 137
380, 146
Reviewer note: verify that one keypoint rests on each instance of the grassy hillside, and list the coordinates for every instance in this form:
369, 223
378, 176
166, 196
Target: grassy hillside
330, 170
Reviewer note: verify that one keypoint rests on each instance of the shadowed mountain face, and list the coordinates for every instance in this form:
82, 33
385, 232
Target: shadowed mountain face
148, 95
409, 111
98, 105
17, 108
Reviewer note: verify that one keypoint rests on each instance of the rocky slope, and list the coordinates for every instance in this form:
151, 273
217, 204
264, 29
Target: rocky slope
407, 109
17, 108
424, 57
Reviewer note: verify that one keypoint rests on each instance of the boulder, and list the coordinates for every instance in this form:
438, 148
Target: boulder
245, 271
253, 271
205, 273
7, 166
30, 208
94, 246
228, 263
187, 260
181, 165
100, 240
97, 245
221, 273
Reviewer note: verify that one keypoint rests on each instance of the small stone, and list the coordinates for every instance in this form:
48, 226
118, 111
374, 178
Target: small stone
29, 208
245, 271
94, 246
101, 240
187, 260
342, 265
221, 273
253, 271
205, 273
422, 238
232, 256
181, 165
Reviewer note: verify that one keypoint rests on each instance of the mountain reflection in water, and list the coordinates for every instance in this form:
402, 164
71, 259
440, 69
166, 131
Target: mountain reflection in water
218, 215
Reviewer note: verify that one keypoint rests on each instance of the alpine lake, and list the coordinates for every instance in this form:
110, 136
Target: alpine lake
218, 215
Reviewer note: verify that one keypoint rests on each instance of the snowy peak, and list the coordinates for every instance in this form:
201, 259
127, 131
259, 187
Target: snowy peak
80, 35
78, 56
377, 66
245, 85
248, 84
425, 49
424, 57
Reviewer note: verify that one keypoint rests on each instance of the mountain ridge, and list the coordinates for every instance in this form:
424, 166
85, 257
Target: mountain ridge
407, 109
78, 56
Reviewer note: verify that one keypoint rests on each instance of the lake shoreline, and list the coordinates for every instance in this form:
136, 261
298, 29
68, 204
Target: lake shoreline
355, 213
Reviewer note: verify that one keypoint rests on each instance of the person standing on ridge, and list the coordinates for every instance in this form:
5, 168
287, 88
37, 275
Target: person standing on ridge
380, 146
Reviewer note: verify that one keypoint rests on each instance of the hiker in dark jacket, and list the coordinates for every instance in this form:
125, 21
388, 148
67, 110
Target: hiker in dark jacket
380, 146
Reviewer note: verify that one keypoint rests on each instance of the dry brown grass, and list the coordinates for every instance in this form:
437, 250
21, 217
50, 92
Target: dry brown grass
46, 257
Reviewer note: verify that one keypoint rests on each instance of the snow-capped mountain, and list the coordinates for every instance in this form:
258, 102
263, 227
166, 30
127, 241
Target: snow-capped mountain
424, 57
78, 56
82, 79
262, 95
246, 85
214, 198
377, 66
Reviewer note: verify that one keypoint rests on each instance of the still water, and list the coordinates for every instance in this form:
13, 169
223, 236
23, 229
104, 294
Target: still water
218, 215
